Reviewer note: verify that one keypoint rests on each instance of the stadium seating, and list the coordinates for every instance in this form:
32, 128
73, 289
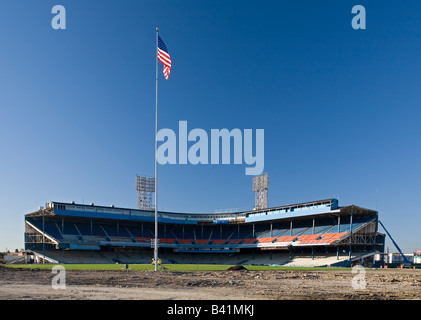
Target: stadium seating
95, 234
307, 239
167, 241
267, 240
250, 241
110, 234
286, 239
327, 238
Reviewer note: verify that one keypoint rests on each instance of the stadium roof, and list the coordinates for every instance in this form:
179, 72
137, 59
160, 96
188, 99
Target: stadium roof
293, 211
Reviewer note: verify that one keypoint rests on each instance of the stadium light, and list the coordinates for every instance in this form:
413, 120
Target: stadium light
145, 187
260, 187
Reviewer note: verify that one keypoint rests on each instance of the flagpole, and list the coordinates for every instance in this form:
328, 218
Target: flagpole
156, 165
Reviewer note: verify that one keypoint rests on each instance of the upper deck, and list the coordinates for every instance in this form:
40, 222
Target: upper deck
269, 214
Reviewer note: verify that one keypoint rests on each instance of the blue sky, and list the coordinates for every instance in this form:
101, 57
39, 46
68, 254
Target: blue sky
340, 107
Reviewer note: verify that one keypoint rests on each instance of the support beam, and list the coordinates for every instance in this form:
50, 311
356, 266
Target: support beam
350, 235
339, 223
43, 239
314, 225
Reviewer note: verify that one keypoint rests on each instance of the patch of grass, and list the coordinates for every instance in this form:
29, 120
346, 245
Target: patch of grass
93, 267
170, 267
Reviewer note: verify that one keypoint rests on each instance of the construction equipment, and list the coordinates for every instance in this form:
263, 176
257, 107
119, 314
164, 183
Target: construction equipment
407, 262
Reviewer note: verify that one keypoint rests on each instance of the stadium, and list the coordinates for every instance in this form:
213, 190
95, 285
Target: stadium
316, 233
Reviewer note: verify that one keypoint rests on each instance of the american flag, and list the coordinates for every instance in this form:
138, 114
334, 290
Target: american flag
164, 57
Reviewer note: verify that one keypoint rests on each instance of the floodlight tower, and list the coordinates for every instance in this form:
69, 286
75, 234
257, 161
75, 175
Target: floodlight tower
260, 187
145, 187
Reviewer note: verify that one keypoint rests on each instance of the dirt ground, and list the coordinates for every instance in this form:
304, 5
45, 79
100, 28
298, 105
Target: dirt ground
26, 284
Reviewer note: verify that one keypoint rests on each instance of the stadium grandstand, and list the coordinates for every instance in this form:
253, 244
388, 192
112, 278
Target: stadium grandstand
317, 233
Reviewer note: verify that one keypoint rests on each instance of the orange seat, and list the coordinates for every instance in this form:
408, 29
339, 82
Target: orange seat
185, 241
165, 240
267, 239
250, 240
218, 241
143, 239
286, 238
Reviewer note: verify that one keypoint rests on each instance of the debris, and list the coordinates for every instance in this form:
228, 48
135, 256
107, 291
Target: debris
237, 268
